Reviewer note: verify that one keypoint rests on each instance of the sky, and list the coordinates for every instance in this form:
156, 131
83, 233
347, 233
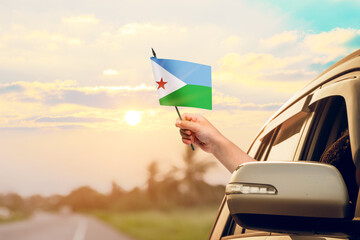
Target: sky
70, 71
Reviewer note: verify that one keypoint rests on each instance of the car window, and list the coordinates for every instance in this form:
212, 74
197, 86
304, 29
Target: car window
280, 143
329, 122
286, 138
254, 148
261, 143
222, 226
265, 145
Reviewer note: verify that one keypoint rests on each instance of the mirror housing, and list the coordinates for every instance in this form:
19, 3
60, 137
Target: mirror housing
291, 197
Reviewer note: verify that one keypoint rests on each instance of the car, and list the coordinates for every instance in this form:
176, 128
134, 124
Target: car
289, 193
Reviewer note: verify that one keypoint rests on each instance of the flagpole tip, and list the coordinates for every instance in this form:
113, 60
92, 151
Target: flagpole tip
153, 52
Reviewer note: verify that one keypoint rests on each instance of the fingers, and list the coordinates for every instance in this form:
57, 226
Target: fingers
192, 117
186, 141
185, 132
188, 125
186, 136
177, 123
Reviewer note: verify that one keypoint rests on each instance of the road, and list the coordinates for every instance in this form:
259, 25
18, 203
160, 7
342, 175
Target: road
45, 226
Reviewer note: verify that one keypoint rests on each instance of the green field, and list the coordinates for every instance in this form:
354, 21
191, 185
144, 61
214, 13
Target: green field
178, 224
17, 216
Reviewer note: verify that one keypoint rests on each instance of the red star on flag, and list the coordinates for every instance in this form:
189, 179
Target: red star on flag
161, 84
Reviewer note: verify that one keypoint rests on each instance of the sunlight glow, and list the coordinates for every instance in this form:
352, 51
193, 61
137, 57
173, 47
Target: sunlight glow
132, 117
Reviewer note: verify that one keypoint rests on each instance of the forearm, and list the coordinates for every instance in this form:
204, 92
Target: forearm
230, 155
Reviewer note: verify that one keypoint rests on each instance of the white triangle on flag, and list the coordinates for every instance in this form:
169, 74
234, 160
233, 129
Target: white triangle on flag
172, 83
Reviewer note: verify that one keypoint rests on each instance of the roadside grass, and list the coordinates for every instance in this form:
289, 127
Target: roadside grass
16, 216
176, 224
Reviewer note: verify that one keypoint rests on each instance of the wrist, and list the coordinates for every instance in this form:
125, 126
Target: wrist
229, 154
220, 141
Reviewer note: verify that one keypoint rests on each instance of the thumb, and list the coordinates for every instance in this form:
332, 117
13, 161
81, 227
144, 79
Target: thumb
192, 126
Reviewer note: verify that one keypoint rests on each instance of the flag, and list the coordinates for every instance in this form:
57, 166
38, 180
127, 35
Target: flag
180, 83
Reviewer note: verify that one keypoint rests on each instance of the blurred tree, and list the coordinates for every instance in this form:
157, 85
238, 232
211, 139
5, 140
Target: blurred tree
136, 199
13, 201
36, 201
85, 198
169, 193
195, 189
116, 191
152, 183
194, 170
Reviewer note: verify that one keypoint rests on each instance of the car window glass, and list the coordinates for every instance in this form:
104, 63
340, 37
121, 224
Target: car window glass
264, 147
286, 140
221, 226
254, 148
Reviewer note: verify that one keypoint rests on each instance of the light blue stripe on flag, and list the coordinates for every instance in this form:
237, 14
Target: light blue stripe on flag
188, 72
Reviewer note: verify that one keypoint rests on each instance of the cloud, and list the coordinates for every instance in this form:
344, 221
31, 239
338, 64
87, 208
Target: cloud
102, 98
57, 51
20, 129
135, 28
289, 75
231, 42
225, 102
328, 46
282, 65
66, 105
10, 88
251, 62
277, 40
263, 78
61, 92
81, 19
110, 72
254, 68
20, 36
70, 119
35, 53
248, 106
48, 105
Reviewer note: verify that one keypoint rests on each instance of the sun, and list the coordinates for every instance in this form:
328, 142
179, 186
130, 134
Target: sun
132, 117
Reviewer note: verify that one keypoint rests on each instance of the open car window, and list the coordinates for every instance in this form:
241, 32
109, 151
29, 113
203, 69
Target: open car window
281, 143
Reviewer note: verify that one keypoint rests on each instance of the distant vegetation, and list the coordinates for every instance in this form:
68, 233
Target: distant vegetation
180, 187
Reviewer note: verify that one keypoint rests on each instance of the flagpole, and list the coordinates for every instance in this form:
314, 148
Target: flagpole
177, 110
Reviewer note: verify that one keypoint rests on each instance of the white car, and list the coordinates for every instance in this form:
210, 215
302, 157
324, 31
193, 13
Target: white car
304, 185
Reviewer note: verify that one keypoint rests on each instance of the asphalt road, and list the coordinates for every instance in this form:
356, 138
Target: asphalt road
45, 226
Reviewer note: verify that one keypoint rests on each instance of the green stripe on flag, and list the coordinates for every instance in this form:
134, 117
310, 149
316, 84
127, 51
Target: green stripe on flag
189, 96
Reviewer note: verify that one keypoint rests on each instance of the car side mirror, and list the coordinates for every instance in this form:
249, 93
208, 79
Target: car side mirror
287, 196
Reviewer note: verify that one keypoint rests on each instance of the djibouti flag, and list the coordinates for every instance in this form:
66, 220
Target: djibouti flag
182, 83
